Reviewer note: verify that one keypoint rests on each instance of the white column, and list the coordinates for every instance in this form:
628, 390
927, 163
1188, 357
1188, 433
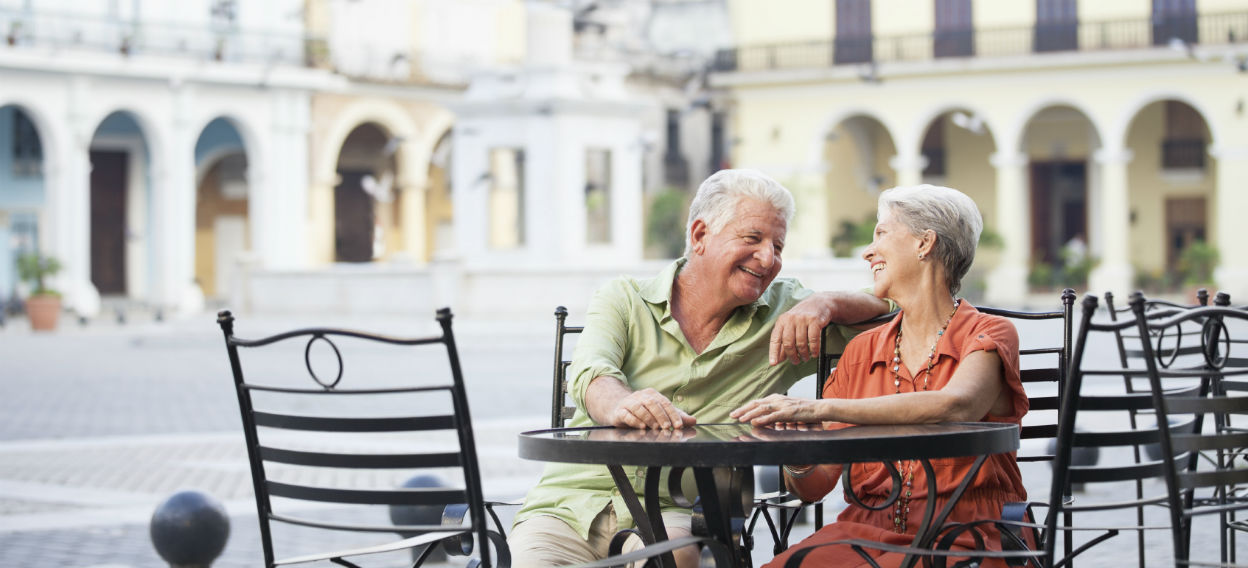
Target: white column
281, 203
176, 218
1007, 283
1231, 201
1114, 272
69, 204
909, 167
809, 235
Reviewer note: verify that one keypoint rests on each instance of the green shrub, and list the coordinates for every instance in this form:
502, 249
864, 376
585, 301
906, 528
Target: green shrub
665, 223
35, 268
853, 235
1196, 263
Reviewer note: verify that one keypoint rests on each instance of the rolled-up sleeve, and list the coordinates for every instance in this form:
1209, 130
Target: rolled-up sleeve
999, 335
602, 346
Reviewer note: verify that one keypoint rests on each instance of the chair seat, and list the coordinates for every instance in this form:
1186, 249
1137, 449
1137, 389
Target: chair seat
403, 544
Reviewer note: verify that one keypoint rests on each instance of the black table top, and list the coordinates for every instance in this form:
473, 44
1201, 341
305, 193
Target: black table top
714, 445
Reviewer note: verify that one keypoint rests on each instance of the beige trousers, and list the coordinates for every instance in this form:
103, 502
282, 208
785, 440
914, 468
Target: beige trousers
544, 541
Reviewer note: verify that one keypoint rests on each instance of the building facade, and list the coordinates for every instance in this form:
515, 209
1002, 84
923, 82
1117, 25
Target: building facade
343, 155
1112, 131
147, 149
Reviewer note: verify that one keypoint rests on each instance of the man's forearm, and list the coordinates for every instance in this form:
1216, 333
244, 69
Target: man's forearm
853, 307
602, 396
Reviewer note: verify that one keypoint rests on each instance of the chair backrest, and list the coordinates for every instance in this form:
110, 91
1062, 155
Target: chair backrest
1044, 353
560, 409
1105, 419
347, 426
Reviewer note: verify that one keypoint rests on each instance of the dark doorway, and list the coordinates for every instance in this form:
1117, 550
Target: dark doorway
353, 219
108, 221
1185, 224
1059, 207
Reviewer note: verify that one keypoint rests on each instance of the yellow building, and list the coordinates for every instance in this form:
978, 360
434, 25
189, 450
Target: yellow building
1120, 124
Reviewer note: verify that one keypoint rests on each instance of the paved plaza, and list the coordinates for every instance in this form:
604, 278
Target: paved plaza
100, 423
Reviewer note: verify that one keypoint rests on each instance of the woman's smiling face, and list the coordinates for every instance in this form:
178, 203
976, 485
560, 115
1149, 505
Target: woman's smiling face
892, 254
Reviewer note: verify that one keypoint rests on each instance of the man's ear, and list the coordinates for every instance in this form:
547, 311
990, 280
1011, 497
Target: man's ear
698, 233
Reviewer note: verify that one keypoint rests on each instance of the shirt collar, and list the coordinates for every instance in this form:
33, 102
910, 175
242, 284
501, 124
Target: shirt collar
883, 352
659, 289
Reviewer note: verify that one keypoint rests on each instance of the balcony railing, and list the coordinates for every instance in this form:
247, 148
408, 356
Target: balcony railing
23, 29
1179, 153
1208, 29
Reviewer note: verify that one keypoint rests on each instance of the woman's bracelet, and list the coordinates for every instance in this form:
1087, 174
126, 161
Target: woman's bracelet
798, 472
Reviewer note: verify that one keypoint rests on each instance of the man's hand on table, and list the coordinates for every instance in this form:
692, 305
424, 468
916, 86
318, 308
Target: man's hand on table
647, 408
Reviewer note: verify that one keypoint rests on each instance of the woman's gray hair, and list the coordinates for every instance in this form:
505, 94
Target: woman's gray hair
945, 211
717, 198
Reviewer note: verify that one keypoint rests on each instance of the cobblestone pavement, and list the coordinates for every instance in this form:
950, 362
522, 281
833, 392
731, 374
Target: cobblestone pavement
100, 423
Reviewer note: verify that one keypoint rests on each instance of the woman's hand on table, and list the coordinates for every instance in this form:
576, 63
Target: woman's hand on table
778, 408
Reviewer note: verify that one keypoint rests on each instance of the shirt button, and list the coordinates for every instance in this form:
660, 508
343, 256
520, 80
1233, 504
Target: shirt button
680, 398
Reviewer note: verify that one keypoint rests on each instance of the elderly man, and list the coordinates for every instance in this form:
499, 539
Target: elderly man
684, 346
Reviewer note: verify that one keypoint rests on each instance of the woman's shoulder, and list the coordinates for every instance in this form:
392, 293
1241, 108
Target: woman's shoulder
997, 326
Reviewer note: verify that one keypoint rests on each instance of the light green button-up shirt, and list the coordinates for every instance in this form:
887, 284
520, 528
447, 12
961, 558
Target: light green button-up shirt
630, 334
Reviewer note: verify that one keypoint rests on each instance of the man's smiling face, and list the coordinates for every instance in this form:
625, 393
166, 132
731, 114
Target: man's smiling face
745, 253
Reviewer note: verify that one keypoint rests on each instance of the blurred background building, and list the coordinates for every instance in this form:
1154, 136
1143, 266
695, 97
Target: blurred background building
505, 156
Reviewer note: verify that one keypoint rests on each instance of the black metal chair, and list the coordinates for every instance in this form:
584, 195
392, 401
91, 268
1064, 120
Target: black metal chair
561, 410
1177, 397
1179, 347
1221, 378
330, 447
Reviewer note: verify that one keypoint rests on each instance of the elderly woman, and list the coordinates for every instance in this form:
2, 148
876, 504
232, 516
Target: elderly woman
939, 360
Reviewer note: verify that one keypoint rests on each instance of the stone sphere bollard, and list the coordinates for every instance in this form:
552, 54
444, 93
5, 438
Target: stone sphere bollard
190, 529
420, 515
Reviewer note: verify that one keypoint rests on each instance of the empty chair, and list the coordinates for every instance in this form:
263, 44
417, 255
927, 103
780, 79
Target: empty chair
360, 444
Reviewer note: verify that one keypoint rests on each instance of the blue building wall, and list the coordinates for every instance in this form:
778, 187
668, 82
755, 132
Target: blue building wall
21, 196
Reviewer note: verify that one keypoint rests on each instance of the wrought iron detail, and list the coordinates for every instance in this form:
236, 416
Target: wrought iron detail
307, 360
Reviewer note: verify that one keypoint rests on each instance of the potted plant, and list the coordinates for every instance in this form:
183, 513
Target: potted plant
1196, 264
43, 306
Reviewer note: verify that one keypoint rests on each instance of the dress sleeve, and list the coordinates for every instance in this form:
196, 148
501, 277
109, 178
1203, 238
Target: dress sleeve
997, 334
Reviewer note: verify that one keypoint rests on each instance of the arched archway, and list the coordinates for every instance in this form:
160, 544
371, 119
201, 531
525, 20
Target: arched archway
1059, 142
366, 204
120, 208
222, 201
955, 146
857, 153
22, 194
439, 209
1172, 180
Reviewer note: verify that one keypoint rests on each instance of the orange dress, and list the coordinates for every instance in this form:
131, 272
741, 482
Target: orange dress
865, 371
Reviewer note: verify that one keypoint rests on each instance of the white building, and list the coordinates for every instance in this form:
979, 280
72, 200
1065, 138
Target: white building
129, 133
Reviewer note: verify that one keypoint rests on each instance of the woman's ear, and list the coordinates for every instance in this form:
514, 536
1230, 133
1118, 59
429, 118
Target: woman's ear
927, 243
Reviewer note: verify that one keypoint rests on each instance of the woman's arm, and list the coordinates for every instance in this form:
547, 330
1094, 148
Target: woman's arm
814, 484
975, 390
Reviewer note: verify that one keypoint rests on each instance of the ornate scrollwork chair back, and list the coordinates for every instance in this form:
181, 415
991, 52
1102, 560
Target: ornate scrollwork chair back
353, 437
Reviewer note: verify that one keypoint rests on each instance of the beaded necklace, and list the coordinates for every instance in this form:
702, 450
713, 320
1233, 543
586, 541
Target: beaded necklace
902, 509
